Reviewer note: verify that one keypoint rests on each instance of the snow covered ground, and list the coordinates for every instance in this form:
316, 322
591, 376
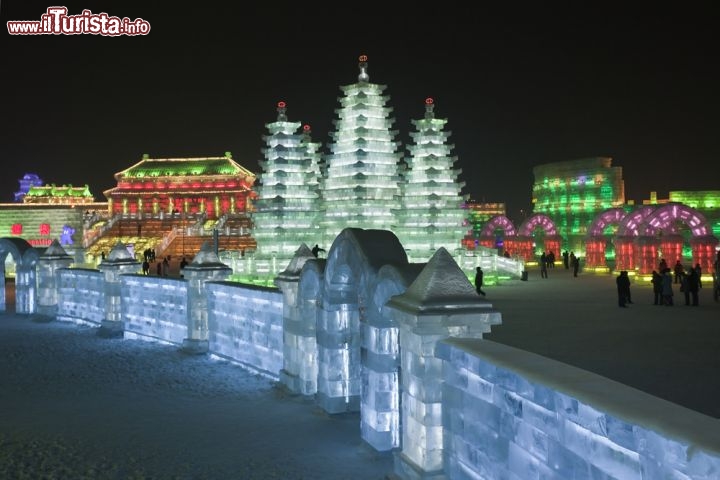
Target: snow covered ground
670, 352
77, 406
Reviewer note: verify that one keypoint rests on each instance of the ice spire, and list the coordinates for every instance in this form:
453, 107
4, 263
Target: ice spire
429, 106
363, 77
281, 108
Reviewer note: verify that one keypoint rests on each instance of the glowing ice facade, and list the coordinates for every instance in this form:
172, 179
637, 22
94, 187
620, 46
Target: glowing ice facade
431, 215
572, 193
478, 214
287, 207
361, 184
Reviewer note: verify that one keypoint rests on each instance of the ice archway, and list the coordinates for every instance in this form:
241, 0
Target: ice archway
25, 257
498, 222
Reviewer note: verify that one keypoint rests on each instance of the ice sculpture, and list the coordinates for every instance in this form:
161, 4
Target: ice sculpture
361, 185
431, 215
287, 206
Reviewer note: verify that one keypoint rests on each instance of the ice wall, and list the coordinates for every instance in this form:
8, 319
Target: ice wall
245, 324
81, 295
155, 307
512, 414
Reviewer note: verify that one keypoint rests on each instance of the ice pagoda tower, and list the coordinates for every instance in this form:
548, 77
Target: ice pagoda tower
287, 205
431, 216
361, 185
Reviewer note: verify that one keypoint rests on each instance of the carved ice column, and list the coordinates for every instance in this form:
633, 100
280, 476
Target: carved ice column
298, 332
117, 263
440, 303
48, 264
206, 267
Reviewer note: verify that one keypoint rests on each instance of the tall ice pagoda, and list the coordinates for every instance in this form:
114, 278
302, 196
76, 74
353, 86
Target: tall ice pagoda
361, 186
287, 205
431, 216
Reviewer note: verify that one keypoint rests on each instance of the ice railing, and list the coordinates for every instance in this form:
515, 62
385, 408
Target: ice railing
489, 261
91, 236
508, 413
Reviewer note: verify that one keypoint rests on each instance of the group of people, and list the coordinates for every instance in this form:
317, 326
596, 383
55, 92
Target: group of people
663, 280
690, 281
547, 260
163, 267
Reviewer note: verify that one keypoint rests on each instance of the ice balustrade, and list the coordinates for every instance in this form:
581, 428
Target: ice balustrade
509, 413
81, 295
404, 311
252, 334
155, 307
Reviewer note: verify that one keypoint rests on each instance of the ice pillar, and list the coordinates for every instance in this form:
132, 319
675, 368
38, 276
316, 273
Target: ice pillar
48, 264
25, 287
118, 262
440, 303
205, 267
299, 372
646, 254
671, 247
703, 252
380, 352
624, 253
338, 340
595, 253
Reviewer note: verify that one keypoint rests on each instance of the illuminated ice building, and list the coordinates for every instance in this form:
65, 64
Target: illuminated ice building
209, 185
287, 207
361, 187
431, 215
574, 192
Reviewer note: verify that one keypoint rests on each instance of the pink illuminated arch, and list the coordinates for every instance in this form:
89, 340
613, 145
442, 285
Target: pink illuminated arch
498, 222
537, 220
630, 223
664, 217
608, 217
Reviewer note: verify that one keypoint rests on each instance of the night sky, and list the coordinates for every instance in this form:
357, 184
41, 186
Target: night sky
520, 87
